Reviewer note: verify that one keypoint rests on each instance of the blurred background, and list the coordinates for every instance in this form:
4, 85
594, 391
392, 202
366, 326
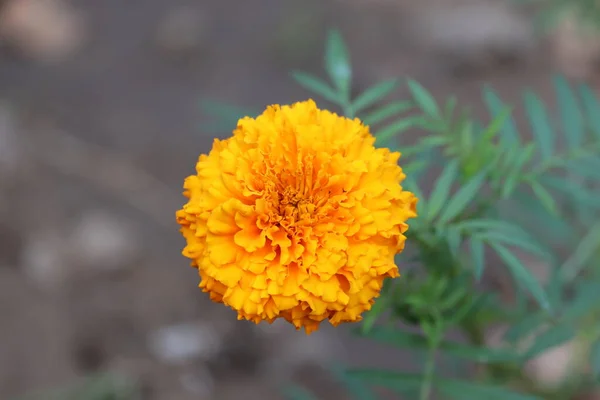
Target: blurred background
100, 122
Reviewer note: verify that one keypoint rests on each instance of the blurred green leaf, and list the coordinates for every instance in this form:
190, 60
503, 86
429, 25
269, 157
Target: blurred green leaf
462, 198
591, 108
293, 392
552, 337
454, 240
595, 359
337, 63
571, 117
477, 255
586, 300
516, 170
468, 390
397, 381
496, 125
396, 128
540, 124
544, 197
441, 189
403, 339
510, 135
355, 388
424, 99
584, 252
522, 275
374, 94
527, 326
317, 86
571, 189
387, 111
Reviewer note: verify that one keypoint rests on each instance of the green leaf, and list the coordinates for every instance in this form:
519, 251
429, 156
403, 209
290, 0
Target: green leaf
407, 340
552, 337
516, 170
293, 392
477, 255
540, 124
595, 359
397, 381
586, 300
337, 63
510, 135
462, 198
424, 99
374, 94
522, 275
525, 327
583, 254
470, 390
454, 240
317, 86
571, 118
573, 190
505, 238
496, 125
355, 388
591, 108
441, 189
544, 197
386, 112
396, 128
379, 307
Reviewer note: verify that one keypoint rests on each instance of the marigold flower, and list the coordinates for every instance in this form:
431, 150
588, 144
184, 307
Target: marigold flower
296, 216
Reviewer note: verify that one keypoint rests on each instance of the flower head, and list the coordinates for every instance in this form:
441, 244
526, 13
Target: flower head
296, 216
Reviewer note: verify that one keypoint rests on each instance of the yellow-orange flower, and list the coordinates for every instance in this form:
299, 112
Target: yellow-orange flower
296, 216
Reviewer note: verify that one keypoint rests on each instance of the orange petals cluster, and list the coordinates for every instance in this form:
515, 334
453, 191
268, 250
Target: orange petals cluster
296, 216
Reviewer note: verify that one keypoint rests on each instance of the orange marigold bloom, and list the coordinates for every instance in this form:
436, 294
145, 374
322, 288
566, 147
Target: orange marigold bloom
296, 216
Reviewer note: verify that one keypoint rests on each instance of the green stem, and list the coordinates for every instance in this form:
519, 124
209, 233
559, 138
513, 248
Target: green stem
428, 375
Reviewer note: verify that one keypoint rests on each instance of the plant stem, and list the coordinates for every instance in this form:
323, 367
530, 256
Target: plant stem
428, 375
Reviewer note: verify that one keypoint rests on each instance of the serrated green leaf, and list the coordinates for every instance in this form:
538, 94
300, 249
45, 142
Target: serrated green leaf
525, 327
386, 112
397, 381
317, 86
374, 94
595, 359
441, 189
468, 390
522, 275
591, 108
544, 197
293, 392
337, 63
584, 252
552, 337
462, 198
540, 124
570, 114
495, 106
396, 128
424, 99
477, 255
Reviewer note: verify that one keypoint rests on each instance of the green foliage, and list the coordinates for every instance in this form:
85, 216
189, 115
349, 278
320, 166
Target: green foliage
497, 193
97, 387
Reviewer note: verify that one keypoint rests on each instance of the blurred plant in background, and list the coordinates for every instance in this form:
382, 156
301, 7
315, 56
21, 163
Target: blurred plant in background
499, 198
